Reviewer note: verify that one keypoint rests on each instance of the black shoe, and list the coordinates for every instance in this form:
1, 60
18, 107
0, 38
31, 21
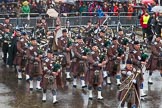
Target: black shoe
142, 99
43, 101
90, 98
31, 89
108, 83
39, 89
118, 85
19, 78
150, 83
74, 86
83, 87
55, 102
69, 79
99, 98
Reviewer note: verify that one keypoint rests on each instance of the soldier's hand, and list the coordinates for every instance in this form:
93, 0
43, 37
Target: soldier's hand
55, 73
84, 57
37, 59
40, 56
119, 58
122, 55
100, 64
104, 62
70, 47
67, 49
144, 63
134, 81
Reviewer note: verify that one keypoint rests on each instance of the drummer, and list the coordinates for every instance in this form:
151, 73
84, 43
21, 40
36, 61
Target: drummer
129, 89
56, 34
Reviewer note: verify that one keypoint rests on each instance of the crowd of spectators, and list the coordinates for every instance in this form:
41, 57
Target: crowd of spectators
15, 7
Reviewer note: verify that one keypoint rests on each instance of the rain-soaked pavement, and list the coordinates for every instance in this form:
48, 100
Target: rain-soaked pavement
16, 94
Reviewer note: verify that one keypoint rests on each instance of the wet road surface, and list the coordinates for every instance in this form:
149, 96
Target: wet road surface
16, 94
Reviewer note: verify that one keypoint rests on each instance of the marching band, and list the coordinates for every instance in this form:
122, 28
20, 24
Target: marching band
94, 59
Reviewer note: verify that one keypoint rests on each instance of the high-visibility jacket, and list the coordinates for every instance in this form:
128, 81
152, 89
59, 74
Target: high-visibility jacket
146, 19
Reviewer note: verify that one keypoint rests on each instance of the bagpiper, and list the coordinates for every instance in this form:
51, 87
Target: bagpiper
155, 61
13, 46
6, 42
114, 54
94, 74
34, 65
79, 65
103, 44
64, 47
20, 59
51, 70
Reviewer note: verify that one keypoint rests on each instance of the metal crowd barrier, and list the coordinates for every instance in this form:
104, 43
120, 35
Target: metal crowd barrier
76, 20
109, 20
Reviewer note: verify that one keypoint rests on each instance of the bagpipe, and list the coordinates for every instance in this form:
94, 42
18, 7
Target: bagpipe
125, 41
144, 57
59, 58
54, 68
84, 50
120, 50
69, 43
40, 32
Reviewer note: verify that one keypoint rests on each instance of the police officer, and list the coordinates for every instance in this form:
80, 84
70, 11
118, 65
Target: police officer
146, 27
13, 48
6, 41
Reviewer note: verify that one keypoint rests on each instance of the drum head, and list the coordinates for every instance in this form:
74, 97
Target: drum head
58, 35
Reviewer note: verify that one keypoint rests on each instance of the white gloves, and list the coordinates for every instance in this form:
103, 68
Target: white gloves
129, 73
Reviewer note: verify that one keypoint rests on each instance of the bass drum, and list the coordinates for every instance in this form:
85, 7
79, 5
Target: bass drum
58, 35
